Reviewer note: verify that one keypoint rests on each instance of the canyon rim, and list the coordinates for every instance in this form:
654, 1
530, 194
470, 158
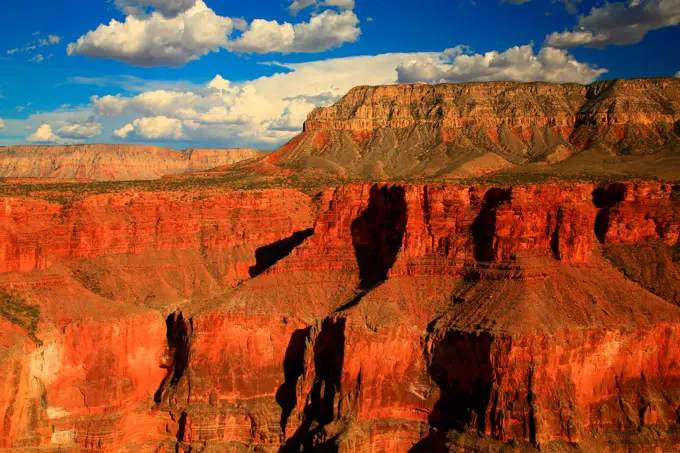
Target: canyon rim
423, 268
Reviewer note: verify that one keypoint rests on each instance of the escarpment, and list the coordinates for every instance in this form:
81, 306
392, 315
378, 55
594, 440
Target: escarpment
369, 317
470, 129
111, 162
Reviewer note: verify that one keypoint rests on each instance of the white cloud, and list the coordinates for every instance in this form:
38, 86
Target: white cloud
324, 31
38, 58
262, 112
168, 8
49, 41
45, 135
268, 111
298, 5
677, 74
81, 130
41, 42
2, 124
159, 39
156, 40
152, 128
517, 63
618, 23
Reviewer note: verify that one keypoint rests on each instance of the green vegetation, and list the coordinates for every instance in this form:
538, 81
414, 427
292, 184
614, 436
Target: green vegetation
18, 312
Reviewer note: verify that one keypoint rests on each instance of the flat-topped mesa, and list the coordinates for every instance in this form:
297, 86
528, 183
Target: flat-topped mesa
112, 162
367, 108
495, 104
464, 130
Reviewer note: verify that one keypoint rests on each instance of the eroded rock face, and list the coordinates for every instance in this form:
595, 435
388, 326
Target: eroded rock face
470, 129
372, 317
112, 162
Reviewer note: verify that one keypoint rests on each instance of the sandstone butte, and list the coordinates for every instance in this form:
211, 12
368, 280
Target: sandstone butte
111, 162
364, 317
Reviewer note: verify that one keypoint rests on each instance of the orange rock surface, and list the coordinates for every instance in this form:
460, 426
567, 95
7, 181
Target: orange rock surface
371, 317
111, 162
182, 316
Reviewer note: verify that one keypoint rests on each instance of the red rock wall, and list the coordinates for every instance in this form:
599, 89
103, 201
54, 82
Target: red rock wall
35, 234
361, 336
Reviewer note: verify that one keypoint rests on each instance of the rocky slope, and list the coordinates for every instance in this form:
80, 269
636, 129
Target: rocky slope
111, 162
472, 129
367, 318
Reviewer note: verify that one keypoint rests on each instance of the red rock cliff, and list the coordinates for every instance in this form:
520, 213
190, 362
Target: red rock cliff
404, 318
463, 130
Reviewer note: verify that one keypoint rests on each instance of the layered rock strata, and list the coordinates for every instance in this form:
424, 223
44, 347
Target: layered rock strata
369, 318
111, 162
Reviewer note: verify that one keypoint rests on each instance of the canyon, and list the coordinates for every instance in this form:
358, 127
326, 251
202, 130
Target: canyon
456, 131
111, 162
366, 318
362, 311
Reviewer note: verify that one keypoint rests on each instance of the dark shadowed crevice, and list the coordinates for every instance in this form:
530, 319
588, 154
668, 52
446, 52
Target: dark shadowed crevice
483, 229
177, 334
270, 254
329, 353
605, 198
460, 364
377, 234
293, 369
555, 236
182, 427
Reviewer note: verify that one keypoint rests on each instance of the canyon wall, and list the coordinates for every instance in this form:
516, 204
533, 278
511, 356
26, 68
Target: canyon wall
370, 317
472, 129
111, 162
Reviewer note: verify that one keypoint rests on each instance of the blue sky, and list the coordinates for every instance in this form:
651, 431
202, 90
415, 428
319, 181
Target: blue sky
208, 73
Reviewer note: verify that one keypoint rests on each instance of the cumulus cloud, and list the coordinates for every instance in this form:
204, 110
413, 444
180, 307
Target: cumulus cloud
190, 30
517, 63
45, 135
38, 58
677, 74
156, 40
324, 31
168, 8
268, 111
618, 23
81, 130
298, 5
152, 128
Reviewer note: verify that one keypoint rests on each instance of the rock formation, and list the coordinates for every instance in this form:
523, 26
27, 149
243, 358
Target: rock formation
111, 162
472, 129
371, 317
188, 317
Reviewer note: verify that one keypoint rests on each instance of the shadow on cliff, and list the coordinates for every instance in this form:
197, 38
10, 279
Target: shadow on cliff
320, 404
483, 228
460, 365
605, 198
293, 370
178, 332
270, 254
377, 237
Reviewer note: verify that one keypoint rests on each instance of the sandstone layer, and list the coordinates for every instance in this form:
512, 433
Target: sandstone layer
111, 162
366, 318
471, 129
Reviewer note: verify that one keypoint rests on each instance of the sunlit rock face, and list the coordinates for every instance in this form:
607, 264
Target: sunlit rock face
366, 318
111, 162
